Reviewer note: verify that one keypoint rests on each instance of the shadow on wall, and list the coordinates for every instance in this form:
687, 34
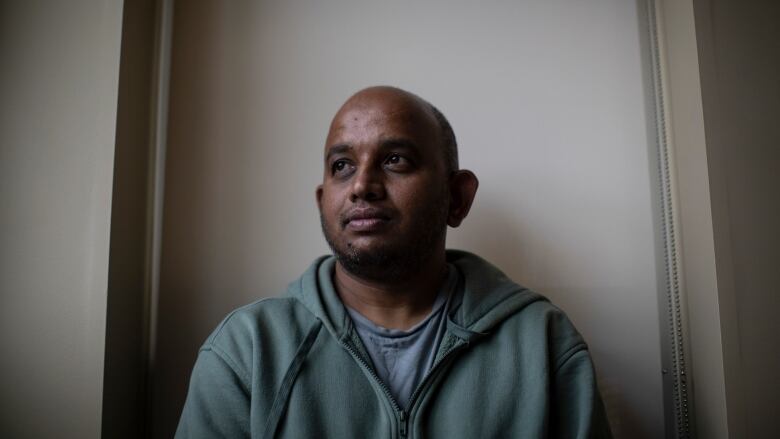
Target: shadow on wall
496, 235
622, 421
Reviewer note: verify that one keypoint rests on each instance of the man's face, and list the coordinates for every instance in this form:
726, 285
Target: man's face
384, 197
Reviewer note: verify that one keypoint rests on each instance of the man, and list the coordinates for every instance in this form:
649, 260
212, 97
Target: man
393, 336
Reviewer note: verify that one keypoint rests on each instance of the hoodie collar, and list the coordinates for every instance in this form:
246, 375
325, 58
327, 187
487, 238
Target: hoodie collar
484, 297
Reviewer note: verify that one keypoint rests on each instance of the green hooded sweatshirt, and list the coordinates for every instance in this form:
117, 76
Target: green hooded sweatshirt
510, 365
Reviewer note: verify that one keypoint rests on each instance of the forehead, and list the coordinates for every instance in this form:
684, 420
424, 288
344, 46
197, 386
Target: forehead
371, 119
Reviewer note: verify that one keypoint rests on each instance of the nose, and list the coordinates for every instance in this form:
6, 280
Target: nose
368, 185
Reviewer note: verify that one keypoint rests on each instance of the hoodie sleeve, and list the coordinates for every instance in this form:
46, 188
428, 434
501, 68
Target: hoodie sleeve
577, 409
218, 401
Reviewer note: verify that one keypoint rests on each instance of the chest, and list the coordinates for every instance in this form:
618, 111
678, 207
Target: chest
468, 394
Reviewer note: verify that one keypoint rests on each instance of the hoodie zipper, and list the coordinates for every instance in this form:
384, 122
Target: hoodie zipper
403, 428
367, 367
437, 365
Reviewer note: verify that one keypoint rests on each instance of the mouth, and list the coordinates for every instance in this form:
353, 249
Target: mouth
366, 219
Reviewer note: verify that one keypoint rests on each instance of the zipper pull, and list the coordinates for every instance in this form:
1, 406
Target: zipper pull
404, 423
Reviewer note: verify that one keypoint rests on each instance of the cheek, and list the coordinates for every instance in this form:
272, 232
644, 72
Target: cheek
417, 198
329, 206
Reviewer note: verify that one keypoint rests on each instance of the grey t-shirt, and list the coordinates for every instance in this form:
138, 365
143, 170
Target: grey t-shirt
403, 358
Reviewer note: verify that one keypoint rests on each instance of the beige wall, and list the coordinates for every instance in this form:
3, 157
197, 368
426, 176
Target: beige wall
698, 280
723, 64
551, 104
127, 335
58, 83
739, 50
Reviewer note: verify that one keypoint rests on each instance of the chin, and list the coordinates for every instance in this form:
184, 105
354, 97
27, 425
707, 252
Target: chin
384, 262
386, 256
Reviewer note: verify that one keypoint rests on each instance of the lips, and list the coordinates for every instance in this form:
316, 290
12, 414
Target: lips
366, 219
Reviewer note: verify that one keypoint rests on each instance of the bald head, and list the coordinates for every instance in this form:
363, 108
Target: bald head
391, 186
420, 111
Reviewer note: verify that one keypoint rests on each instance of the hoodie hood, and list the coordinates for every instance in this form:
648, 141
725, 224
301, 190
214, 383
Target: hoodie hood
484, 297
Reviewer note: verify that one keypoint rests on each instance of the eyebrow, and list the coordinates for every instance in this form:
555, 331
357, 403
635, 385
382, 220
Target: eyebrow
337, 149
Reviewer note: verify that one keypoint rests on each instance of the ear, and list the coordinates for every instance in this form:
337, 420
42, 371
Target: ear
318, 194
463, 188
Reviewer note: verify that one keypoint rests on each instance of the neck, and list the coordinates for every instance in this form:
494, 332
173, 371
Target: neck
393, 305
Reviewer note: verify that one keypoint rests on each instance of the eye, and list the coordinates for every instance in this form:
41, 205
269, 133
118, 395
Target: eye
397, 162
339, 167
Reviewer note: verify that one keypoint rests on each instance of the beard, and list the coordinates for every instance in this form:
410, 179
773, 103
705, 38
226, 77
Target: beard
400, 256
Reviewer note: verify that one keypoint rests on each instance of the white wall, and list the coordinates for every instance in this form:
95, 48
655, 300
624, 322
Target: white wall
58, 83
549, 100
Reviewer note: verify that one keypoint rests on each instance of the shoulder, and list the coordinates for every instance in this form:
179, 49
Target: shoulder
263, 315
552, 319
273, 325
543, 324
